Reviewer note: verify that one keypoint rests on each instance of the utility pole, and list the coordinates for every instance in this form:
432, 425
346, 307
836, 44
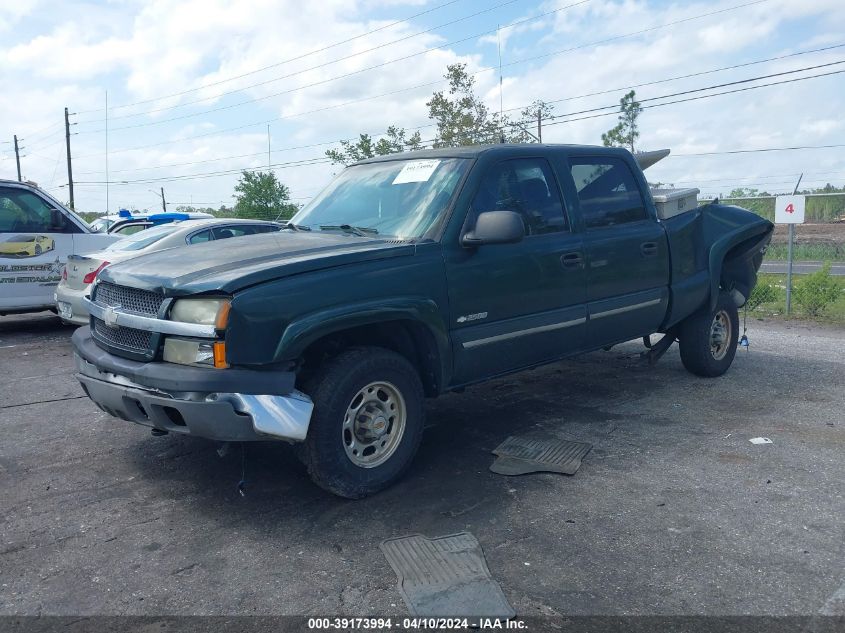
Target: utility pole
268, 148
163, 202
69, 169
539, 125
18, 158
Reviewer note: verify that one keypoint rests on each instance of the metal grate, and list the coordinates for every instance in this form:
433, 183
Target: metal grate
144, 302
128, 338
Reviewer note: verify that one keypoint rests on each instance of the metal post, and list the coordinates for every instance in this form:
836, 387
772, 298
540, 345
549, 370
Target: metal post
69, 169
268, 149
18, 158
163, 202
539, 126
791, 240
789, 268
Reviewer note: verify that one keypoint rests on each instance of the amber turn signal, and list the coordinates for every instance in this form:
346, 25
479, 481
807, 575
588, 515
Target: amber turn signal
220, 355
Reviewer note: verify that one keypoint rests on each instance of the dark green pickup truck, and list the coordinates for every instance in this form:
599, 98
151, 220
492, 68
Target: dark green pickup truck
409, 276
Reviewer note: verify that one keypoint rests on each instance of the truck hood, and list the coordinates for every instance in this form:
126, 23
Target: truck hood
229, 265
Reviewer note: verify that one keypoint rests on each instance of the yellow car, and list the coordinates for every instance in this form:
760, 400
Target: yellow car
26, 245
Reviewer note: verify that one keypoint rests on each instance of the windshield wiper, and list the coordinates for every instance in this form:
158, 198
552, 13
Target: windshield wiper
360, 231
296, 227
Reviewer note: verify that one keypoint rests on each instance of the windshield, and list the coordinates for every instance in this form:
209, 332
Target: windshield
101, 225
400, 198
143, 239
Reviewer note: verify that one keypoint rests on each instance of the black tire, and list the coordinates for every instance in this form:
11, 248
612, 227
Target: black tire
38, 250
701, 352
340, 381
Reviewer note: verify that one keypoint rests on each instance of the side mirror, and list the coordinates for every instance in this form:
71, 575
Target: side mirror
495, 227
57, 220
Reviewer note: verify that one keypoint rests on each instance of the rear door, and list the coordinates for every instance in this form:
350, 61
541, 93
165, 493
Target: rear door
627, 251
35, 240
514, 305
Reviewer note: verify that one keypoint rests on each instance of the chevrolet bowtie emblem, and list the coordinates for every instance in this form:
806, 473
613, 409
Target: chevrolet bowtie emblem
110, 316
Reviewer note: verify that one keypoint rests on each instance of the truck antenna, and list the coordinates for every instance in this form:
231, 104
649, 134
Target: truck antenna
501, 85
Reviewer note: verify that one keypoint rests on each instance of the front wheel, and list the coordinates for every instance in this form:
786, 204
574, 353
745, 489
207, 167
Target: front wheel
367, 422
708, 339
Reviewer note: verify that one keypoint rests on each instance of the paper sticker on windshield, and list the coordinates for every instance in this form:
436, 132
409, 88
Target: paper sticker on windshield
416, 171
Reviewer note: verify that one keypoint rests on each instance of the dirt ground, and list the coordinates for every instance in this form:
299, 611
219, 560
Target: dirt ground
830, 233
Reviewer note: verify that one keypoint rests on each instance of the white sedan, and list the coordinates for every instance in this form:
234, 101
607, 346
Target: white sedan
81, 270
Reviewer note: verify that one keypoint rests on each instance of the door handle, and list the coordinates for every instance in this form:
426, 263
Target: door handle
648, 249
572, 260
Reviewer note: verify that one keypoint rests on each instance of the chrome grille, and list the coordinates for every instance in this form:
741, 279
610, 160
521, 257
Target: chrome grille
144, 302
129, 338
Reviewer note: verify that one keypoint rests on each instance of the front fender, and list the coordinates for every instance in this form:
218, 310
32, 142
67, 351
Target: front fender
304, 331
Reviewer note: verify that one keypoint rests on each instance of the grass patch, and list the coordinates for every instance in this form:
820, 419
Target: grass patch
819, 299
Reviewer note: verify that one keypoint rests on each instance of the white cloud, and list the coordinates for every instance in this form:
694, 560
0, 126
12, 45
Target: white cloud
141, 51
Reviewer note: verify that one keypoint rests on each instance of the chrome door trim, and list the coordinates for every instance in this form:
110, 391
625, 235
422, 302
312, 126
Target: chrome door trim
635, 306
532, 330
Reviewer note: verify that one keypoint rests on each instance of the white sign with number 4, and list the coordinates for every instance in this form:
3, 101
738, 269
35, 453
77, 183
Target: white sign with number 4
789, 210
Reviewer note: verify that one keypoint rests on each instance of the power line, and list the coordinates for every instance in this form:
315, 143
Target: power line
335, 78
713, 87
587, 45
732, 179
39, 131
715, 94
687, 76
306, 162
691, 91
287, 61
765, 184
762, 149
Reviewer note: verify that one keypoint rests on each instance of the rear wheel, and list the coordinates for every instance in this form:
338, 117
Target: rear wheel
708, 339
38, 250
367, 422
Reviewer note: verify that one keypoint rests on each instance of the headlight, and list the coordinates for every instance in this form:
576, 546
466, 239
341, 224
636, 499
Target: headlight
191, 352
201, 311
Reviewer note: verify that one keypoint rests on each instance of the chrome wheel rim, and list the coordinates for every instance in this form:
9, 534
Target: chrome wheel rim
720, 335
374, 424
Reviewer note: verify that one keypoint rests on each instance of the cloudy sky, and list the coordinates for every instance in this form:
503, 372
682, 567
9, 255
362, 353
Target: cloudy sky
192, 85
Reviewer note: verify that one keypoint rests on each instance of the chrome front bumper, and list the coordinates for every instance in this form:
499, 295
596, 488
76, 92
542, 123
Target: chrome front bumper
226, 417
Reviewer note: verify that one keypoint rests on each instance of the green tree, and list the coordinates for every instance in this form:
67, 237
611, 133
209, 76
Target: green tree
461, 116
764, 207
393, 141
524, 129
627, 131
259, 195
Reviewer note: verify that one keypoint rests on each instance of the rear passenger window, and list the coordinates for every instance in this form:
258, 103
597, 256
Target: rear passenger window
131, 229
607, 191
266, 228
225, 232
525, 186
198, 238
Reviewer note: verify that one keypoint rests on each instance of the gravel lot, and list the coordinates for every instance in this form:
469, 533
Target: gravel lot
673, 512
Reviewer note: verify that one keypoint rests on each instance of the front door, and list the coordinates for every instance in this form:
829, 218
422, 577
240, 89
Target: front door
35, 241
514, 305
627, 252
